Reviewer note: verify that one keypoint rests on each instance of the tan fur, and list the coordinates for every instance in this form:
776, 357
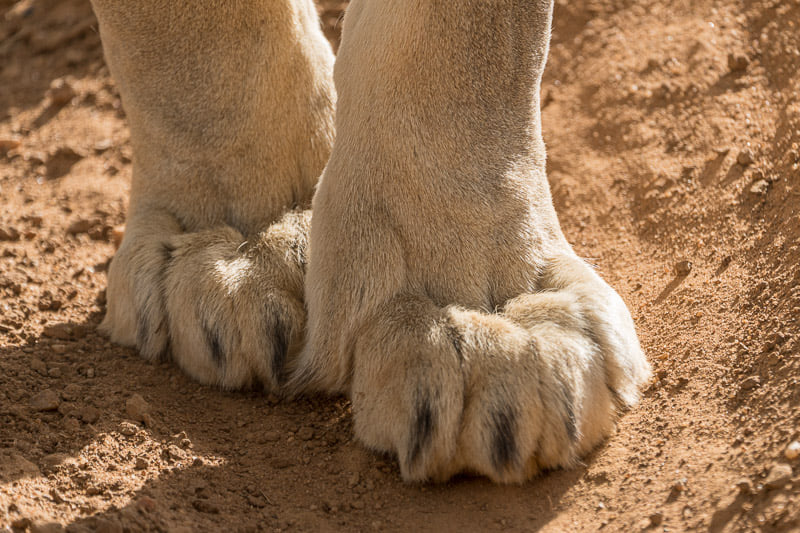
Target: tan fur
441, 293
230, 106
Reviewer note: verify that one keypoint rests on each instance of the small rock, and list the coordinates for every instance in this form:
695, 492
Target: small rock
779, 475
205, 506
751, 382
89, 414
7, 144
280, 463
60, 92
792, 451
138, 410
90, 372
59, 348
21, 523
352, 481
102, 146
745, 486
47, 400
56, 496
683, 268
141, 463
81, 225
305, 433
146, 504
54, 459
50, 527
679, 486
65, 332
38, 366
759, 187
176, 453
128, 429
656, 519
738, 62
271, 436
745, 157
9, 234
16, 465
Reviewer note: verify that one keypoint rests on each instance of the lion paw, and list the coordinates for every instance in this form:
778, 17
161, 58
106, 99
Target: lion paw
227, 310
504, 395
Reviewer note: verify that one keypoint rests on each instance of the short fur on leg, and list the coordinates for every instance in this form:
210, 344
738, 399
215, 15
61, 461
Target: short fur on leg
230, 108
442, 295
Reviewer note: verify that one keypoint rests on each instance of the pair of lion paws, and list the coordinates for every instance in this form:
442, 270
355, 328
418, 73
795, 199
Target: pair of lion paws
505, 395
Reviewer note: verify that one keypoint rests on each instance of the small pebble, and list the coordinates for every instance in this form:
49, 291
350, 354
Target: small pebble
271, 436
138, 410
9, 234
176, 453
792, 451
683, 268
21, 523
102, 146
759, 187
744, 486
745, 158
54, 459
71, 392
38, 366
146, 504
60, 92
47, 400
82, 225
737, 62
9, 144
656, 519
89, 414
128, 429
50, 527
751, 382
305, 433
779, 475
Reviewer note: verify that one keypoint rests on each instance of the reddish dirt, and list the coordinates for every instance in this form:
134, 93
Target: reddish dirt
673, 130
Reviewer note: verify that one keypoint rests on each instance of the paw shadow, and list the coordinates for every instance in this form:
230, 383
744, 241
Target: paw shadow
252, 460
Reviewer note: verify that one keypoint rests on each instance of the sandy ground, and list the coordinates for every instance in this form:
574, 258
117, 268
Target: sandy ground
673, 130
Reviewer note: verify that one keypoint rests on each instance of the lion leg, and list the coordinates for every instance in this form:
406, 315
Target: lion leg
442, 295
230, 108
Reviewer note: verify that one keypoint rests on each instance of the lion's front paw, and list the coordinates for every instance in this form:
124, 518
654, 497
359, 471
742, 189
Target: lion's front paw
229, 311
503, 395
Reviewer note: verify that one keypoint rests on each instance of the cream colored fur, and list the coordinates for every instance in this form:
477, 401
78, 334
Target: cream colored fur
442, 296
230, 106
